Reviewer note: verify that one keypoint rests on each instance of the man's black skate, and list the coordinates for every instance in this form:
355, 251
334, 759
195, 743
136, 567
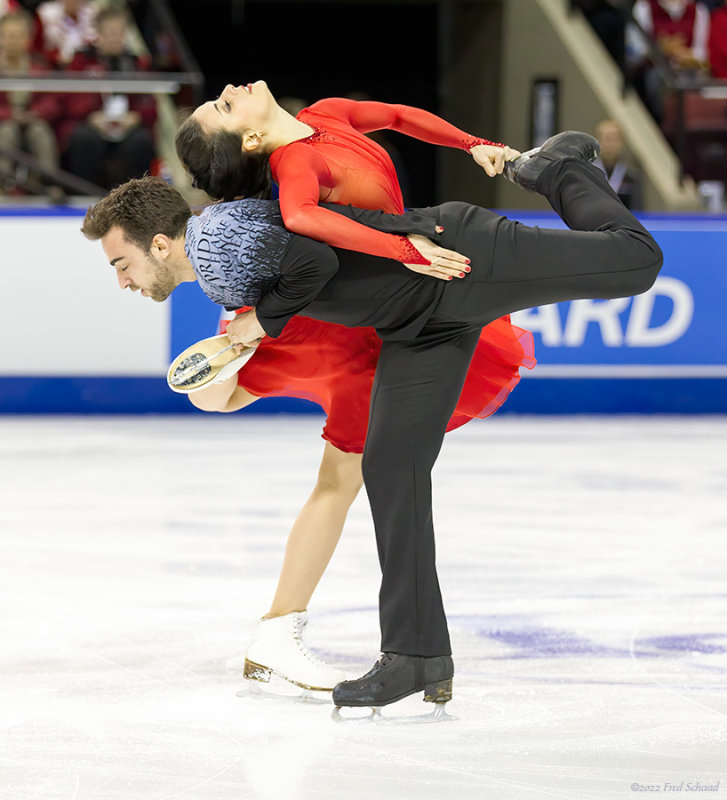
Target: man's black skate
527, 168
395, 676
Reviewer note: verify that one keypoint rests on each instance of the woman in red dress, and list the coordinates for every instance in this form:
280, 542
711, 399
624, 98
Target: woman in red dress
229, 146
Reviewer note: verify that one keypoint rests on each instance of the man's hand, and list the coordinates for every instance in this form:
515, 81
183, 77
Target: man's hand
445, 264
245, 330
492, 158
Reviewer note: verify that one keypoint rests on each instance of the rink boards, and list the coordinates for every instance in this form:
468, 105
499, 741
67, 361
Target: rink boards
74, 343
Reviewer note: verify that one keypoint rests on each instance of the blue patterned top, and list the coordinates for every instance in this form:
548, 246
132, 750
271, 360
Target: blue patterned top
236, 249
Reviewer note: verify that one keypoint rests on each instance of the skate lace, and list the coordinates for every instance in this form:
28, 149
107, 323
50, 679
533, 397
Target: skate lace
384, 659
305, 652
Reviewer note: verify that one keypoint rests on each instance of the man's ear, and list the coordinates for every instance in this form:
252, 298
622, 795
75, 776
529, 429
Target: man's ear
161, 245
252, 141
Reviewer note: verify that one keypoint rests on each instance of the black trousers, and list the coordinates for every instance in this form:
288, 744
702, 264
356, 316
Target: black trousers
418, 382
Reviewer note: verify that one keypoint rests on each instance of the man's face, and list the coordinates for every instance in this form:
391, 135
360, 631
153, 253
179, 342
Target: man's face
136, 269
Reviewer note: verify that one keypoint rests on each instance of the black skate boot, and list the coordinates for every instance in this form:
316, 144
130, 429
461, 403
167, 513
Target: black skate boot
395, 676
528, 167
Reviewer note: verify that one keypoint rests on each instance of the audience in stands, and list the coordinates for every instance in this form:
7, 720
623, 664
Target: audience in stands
109, 138
67, 27
613, 161
26, 118
680, 29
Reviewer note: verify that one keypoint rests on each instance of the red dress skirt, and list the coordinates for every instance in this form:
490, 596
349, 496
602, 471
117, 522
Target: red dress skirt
334, 366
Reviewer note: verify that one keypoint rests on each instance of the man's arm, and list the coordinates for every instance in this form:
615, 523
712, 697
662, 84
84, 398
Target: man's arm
306, 268
421, 220
420, 227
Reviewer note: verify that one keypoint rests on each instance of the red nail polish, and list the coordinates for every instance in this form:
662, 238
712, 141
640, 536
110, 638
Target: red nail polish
467, 261
461, 274
468, 269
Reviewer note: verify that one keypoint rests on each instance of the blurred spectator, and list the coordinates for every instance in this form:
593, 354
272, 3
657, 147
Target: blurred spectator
109, 137
67, 27
718, 41
680, 29
625, 181
25, 117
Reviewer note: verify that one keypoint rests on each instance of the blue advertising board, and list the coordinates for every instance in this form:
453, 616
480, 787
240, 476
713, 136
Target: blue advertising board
664, 351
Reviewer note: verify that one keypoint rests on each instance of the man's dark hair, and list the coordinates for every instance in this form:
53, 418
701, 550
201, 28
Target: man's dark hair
219, 167
141, 207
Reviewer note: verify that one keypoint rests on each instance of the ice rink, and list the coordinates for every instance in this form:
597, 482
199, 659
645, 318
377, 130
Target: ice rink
583, 568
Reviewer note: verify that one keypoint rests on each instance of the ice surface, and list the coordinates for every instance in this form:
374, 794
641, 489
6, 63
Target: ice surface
582, 563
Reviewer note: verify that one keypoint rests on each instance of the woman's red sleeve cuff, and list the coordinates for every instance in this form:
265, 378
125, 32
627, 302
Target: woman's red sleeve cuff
473, 141
409, 253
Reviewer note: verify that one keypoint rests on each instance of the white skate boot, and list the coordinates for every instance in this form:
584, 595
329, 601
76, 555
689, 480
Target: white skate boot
277, 648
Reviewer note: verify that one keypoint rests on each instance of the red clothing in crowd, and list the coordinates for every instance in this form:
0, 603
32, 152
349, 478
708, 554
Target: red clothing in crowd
79, 105
718, 42
664, 25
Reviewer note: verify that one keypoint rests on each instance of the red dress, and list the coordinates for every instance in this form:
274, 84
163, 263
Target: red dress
331, 364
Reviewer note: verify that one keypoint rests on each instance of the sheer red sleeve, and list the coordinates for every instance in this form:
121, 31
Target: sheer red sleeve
300, 172
368, 115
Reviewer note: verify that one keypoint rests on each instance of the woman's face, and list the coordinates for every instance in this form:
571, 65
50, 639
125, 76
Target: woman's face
239, 108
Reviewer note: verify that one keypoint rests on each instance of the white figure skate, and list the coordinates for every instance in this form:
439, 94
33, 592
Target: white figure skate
207, 362
277, 648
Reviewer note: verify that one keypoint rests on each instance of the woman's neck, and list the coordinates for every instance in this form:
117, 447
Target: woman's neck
284, 129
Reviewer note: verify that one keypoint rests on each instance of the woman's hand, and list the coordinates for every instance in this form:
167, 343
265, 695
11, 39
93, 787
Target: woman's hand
244, 330
445, 264
492, 158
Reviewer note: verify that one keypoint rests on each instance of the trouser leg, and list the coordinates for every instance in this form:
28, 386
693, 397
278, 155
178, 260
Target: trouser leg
415, 392
607, 254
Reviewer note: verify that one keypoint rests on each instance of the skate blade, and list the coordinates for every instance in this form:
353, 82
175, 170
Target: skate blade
375, 716
277, 689
256, 672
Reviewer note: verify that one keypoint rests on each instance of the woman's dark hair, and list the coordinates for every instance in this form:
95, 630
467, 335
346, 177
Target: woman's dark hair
219, 167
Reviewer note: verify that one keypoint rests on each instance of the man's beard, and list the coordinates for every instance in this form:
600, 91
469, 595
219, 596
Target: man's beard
165, 282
